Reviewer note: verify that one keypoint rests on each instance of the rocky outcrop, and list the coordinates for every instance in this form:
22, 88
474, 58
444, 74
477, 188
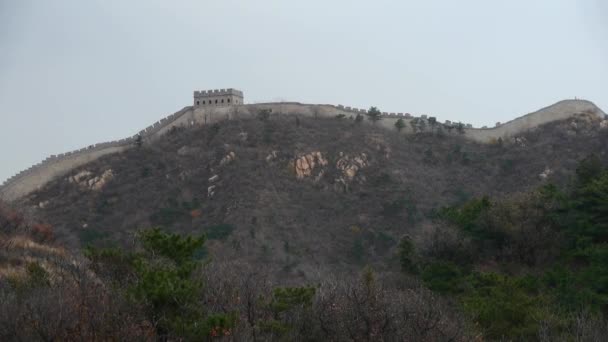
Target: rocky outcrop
272, 156
520, 141
188, 151
313, 165
349, 166
546, 173
307, 164
213, 184
231, 156
53, 167
87, 180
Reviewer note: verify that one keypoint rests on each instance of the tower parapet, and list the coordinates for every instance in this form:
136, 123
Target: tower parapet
218, 97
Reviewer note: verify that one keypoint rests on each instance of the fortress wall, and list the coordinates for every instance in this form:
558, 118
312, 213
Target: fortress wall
160, 127
559, 111
38, 175
55, 166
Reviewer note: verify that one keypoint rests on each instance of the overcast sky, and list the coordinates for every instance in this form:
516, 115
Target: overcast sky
79, 72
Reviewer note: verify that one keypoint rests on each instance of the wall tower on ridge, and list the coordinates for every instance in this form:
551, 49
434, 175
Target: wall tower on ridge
218, 97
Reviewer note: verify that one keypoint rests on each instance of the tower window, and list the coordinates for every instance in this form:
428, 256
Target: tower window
215, 101
203, 102
228, 100
198, 103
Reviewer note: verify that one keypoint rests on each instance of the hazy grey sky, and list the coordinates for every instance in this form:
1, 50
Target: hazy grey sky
74, 73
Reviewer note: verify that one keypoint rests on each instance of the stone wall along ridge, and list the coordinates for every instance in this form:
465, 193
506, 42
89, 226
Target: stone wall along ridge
57, 165
557, 111
68, 158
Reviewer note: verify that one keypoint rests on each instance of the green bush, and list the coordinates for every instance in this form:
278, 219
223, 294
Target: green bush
503, 307
36, 277
168, 216
160, 279
407, 257
400, 206
219, 232
374, 114
357, 251
90, 236
383, 241
399, 125
443, 277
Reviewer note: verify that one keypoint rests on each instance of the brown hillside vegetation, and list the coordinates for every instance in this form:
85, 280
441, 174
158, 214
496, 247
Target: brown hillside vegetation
300, 229
302, 196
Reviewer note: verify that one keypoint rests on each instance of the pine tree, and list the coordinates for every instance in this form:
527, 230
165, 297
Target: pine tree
400, 124
374, 114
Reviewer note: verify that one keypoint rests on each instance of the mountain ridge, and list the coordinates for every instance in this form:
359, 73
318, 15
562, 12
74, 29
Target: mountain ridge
57, 165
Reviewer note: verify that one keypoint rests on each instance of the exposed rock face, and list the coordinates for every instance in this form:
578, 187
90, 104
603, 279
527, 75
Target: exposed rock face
228, 158
211, 191
98, 183
545, 174
305, 165
80, 176
272, 156
87, 180
188, 151
520, 141
312, 165
351, 165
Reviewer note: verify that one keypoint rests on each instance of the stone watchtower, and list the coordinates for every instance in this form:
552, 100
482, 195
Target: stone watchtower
218, 97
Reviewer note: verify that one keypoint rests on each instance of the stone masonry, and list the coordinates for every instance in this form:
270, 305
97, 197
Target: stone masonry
56, 166
218, 97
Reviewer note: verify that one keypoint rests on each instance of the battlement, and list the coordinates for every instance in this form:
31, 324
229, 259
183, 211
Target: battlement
218, 97
209, 111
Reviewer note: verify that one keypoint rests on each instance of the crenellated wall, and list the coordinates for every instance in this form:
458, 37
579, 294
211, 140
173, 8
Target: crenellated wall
555, 112
56, 166
218, 97
558, 111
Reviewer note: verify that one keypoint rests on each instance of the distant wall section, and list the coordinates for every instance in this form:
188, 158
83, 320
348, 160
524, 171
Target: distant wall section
53, 167
559, 111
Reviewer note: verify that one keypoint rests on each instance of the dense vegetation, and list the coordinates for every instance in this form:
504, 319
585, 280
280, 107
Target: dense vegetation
161, 289
435, 239
259, 212
532, 266
527, 266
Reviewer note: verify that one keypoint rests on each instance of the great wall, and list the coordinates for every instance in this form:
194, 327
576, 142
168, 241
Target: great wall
55, 166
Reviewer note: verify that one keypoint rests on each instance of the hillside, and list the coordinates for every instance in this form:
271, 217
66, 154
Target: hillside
297, 228
303, 196
54, 166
